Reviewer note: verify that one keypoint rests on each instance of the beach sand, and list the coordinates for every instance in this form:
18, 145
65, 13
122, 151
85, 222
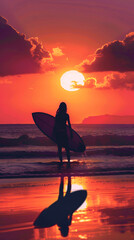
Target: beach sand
107, 213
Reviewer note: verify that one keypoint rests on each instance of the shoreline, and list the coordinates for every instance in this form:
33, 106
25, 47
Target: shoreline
65, 174
79, 166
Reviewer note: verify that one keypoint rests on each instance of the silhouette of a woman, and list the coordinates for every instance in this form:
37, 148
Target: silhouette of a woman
60, 130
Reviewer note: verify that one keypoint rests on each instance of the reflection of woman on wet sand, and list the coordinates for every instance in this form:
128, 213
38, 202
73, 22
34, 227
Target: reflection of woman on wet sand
60, 130
60, 212
65, 220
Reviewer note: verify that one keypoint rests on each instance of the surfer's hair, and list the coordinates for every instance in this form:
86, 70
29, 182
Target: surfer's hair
62, 108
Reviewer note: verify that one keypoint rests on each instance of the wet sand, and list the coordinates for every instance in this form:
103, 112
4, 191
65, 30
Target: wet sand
107, 213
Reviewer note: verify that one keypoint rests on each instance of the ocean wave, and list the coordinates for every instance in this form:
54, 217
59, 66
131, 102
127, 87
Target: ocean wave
89, 140
25, 140
108, 140
100, 151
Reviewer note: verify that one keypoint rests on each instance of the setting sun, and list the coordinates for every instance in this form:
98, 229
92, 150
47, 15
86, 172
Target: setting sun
71, 79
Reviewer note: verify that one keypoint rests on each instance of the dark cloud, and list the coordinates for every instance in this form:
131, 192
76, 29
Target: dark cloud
113, 56
120, 81
19, 55
110, 81
88, 83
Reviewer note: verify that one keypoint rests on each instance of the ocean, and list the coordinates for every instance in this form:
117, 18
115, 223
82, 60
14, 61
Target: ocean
26, 152
16, 130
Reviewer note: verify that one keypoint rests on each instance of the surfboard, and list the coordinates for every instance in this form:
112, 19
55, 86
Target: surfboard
60, 209
45, 122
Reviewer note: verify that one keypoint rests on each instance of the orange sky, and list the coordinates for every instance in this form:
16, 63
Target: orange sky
78, 29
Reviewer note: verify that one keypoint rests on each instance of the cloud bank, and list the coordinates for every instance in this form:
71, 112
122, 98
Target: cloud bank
110, 81
119, 81
113, 56
19, 55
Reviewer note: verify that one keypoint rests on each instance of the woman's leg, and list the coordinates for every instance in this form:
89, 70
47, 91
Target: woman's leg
60, 197
68, 186
60, 152
68, 153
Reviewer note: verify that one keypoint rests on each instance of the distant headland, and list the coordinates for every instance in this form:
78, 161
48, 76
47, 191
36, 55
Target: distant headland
109, 119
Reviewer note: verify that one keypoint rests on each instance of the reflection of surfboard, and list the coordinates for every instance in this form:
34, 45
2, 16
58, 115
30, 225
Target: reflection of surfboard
60, 209
45, 123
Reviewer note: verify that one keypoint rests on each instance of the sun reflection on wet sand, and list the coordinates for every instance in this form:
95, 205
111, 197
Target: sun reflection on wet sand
108, 212
75, 187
